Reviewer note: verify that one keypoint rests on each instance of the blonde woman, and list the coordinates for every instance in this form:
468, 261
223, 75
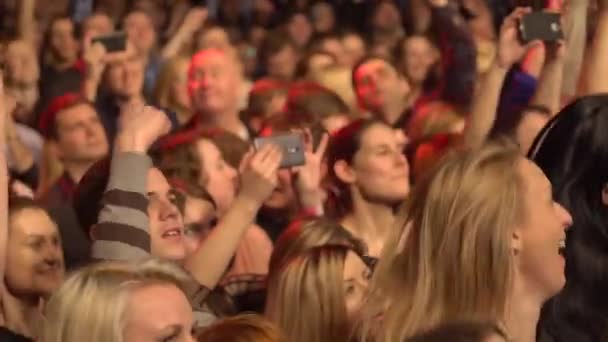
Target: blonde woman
171, 90
483, 240
316, 295
121, 302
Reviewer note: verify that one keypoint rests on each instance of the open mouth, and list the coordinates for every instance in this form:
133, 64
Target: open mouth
176, 232
562, 247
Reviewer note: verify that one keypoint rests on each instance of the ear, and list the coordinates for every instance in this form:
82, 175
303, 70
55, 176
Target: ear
516, 241
605, 194
344, 172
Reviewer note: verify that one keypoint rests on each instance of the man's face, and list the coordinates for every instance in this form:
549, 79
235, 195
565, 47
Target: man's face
80, 135
213, 82
167, 239
377, 84
140, 30
125, 76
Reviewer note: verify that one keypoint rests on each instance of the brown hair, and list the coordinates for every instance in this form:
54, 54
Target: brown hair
243, 328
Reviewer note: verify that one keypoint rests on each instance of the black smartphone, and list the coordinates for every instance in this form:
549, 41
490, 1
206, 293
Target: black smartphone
543, 26
291, 144
113, 43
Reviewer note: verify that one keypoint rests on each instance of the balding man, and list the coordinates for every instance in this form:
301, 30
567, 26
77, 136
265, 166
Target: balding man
215, 84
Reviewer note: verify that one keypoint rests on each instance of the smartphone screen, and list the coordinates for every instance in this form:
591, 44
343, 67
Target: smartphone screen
113, 43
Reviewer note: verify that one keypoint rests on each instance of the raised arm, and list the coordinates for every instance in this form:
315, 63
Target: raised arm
593, 81
576, 40
194, 20
485, 103
3, 187
122, 232
258, 180
26, 24
548, 91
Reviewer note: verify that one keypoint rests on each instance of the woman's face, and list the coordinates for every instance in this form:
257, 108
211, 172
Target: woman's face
34, 258
63, 41
419, 55
198, 218
380, 169
220, 176
541, 237
300, 29
179, 86
356, 280
159, 313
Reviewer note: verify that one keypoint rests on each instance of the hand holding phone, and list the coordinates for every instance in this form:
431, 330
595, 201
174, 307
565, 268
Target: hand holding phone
544, 26
292, 146
113, 42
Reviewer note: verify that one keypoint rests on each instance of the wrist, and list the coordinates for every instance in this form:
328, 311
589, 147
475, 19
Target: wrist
131, 143
247, 205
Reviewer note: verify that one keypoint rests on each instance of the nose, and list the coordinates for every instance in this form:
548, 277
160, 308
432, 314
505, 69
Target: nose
564, 216
168, 210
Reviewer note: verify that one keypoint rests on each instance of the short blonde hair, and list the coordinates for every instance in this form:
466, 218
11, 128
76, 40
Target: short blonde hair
91, 304
243, 328
450, 257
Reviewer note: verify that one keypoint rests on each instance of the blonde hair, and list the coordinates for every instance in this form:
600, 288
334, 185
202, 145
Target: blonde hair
339, 80
243, 328
306, 296
450, 256
162, 91
305, 234
91, 304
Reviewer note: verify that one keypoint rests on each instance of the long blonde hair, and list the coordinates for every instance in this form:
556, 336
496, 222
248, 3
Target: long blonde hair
450, 256
306, 296
91, 304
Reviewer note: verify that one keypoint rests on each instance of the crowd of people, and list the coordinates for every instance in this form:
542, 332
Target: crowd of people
453, 183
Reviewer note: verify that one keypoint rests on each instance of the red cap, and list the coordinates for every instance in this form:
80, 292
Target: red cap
58, 104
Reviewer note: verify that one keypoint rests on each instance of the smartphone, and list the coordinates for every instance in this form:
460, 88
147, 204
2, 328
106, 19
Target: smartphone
543, 26
113, 43
291, 144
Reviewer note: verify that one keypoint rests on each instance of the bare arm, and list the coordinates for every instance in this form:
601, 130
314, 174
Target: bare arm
193, 21
576, 38
3, 188
209, 263
548, 91
592, 83
26, 23
485, 104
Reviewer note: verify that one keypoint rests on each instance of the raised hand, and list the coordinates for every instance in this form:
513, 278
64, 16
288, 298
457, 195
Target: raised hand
259, 174
195, 19
510, 48
308, 177
139, 127
94, 56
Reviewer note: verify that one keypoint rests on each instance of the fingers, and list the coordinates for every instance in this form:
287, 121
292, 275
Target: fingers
267, 160
322, 148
